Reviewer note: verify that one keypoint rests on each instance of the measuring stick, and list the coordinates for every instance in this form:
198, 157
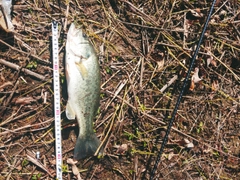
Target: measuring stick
57, 110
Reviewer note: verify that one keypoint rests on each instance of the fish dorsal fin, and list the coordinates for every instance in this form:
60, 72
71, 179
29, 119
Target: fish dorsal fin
70, 112
82, 69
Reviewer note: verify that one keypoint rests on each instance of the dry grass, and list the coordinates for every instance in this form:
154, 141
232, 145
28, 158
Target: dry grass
142, 45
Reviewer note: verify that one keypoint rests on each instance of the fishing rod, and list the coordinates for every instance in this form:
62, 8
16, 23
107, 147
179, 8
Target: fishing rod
181, 93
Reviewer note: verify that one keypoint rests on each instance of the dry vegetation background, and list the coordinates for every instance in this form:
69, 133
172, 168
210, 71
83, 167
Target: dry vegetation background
142, 46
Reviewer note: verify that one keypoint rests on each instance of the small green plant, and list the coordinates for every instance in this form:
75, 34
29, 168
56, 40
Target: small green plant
108, 70
215, 154
144, 144
131, 171
130, 136
36, 176
142, 106
32, 65
100, 156
102, 95
64, 168
200, 127
98, 111
25, 162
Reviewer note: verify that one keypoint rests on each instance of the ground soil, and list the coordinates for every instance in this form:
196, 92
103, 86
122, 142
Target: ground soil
143, 46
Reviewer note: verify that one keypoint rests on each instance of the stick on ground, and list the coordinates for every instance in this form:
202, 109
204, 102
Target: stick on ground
16, 67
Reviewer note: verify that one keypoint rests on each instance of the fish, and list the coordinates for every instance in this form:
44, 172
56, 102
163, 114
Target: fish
83, 86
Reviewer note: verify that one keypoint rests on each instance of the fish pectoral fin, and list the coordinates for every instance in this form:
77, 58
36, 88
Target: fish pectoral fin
82, 69
70, 112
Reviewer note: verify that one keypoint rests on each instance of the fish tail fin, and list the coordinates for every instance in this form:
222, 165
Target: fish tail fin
86, 146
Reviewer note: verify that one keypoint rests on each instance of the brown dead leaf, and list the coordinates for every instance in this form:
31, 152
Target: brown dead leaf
188, 144
207, 150
74, 168
185, 143
5, 16
196, 13
210, 60
195, 79
170, 155
71, 161
160, 64
192, 86
215, 85
214, 63
17, 22
24, 100
159, 58
6, 84
41, 43
121, 148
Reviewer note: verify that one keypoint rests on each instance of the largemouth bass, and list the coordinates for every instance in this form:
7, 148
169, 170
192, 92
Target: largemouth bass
83, 85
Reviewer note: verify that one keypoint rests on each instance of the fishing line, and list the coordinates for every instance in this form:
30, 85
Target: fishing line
181, 93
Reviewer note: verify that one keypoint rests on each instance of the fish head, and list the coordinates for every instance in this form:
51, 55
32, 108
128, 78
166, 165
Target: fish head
78, 42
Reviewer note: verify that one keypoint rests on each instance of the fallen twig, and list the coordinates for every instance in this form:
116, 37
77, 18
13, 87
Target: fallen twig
169, 83
31, 157
6, 131
34, 56
16, 67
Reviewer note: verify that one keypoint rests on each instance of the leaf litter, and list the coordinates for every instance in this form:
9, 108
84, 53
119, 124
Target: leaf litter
145, 49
